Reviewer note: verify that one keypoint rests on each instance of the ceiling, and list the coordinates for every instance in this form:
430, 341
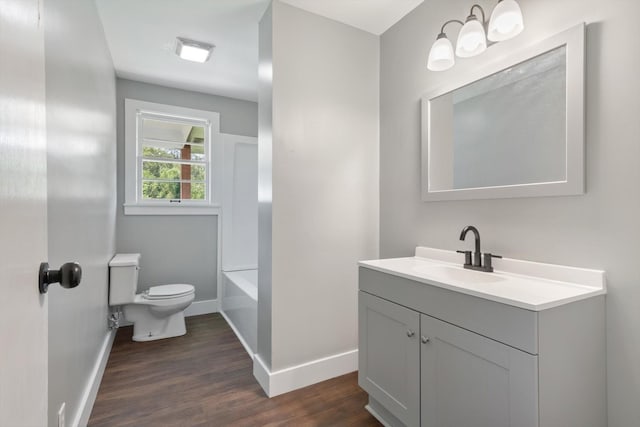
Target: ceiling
141, 36
373, 16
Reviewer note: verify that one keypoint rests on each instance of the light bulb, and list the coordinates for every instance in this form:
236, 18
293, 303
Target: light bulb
472, 40
441, 54
506, 21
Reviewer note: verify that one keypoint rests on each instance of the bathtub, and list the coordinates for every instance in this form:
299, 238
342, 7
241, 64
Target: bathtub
240, 305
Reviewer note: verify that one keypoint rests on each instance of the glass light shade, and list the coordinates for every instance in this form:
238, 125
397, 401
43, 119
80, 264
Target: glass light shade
441, 55
506, 21
472, 39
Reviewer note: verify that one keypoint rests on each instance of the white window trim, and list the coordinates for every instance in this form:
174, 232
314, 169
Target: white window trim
132, 204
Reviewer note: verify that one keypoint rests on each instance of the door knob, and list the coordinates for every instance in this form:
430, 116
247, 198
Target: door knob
68, 276
425, 339
410, 333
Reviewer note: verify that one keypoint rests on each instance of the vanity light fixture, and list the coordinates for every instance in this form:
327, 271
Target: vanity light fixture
472, 39
192, 50
506, 22
441, 56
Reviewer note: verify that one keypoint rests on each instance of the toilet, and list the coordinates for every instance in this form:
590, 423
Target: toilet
156, 313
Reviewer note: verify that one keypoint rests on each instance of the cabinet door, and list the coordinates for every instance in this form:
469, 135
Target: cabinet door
389, 356
469, 380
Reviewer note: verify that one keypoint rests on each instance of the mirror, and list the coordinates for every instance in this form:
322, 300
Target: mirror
513, 130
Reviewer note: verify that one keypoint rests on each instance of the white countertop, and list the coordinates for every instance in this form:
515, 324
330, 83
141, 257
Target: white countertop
529, 285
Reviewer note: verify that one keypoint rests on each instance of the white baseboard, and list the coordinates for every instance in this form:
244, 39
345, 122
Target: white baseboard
295, 377
91, 390
261, 373
246, 346
202, 307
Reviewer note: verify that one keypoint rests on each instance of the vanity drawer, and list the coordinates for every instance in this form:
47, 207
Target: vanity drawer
509, 325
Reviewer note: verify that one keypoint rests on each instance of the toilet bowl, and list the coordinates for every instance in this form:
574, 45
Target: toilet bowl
156, 313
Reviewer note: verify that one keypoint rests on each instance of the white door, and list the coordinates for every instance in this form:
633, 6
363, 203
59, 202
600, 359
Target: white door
23, 215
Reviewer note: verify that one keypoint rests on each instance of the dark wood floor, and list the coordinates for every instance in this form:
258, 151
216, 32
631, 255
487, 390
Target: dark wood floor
205, 379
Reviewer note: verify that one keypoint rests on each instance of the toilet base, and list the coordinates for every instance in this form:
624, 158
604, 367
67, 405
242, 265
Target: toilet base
147, 327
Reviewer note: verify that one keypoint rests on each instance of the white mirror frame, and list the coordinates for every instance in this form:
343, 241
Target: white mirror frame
574, 40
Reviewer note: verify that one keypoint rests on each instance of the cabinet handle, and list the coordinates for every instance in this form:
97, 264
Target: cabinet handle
410, 333
424, 339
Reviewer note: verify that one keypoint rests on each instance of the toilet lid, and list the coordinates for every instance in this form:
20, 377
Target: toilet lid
168, 291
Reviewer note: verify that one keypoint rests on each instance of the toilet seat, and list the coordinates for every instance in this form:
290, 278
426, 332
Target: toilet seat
163, 292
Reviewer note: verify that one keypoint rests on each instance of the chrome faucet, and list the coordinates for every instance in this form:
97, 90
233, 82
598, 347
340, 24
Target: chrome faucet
477, 263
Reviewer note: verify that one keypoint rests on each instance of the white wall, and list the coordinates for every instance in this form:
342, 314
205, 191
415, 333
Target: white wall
194, 239
324, 172
598, 230
81, 157
240, 204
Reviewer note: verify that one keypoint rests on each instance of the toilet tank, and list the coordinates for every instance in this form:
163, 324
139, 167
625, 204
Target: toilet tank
123, 278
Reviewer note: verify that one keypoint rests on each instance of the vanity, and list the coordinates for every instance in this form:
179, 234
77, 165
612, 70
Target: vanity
444, 346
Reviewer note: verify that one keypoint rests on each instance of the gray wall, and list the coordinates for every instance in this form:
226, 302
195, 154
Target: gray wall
265, 188
324, 182
81, 157
176, 249
597, 230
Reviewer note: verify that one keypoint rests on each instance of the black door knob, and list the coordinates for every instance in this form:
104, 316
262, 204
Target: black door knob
68, 276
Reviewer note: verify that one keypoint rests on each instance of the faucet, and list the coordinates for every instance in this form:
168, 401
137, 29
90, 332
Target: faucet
477, 255
476, 235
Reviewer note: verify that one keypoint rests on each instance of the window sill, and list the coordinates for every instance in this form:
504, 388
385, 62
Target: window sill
132, 209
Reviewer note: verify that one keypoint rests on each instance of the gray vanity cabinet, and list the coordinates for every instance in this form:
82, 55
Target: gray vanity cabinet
430, 373
433, 357
389, 335
470, 380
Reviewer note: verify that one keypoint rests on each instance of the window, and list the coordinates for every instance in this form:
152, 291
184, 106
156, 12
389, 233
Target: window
172, 160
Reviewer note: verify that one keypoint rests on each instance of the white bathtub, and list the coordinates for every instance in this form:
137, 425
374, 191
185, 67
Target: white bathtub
240, 305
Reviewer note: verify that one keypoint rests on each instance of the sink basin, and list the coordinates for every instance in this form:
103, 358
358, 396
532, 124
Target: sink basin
457, 274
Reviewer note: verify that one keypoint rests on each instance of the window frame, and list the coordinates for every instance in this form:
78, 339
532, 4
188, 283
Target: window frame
135, 112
